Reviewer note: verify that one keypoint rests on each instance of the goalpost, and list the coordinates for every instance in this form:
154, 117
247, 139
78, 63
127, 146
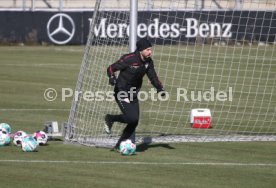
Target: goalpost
222, 59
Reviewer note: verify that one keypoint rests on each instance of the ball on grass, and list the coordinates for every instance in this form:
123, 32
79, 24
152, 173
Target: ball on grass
29, 144
127, 147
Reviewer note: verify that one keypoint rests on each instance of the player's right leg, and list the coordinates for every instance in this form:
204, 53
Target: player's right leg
108, 123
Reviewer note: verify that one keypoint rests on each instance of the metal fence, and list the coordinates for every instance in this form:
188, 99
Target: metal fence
33, 5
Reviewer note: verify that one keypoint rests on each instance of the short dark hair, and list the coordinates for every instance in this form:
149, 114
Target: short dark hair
143, 44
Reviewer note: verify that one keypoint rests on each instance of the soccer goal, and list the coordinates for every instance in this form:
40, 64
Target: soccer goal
216, 55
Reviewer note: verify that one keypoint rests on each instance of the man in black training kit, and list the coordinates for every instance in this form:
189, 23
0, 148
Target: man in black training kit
132, 69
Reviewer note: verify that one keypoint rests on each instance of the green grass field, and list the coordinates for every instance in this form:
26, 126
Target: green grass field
25, 73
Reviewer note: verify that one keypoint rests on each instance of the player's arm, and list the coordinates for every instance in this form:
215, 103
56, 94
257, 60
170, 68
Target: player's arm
117, 66
151, 73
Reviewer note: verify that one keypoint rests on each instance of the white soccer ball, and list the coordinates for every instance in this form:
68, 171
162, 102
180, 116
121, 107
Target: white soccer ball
18, 136
29, 144
127, 147
5, 126
41, 137
4, 137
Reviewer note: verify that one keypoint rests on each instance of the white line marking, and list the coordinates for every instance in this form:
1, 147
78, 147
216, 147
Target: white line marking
29, 109
40, 64
38, 109
142, 163
69, 49
65, 110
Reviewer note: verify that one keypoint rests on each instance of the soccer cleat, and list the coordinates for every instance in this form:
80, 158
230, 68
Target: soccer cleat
108, 124
116, 149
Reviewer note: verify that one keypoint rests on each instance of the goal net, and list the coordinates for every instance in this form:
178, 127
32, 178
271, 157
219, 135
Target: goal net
216, 55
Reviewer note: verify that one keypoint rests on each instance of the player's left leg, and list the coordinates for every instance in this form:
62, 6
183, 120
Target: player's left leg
131, 117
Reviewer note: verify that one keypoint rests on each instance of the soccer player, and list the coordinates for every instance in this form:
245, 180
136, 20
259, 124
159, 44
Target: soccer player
132, 69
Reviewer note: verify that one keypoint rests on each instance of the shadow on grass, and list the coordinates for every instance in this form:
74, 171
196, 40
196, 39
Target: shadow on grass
145, 146
56, 139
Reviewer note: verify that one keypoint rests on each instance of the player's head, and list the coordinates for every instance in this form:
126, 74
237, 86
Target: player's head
144, 47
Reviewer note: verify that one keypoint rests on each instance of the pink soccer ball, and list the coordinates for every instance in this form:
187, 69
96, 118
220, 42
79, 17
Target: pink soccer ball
41, 137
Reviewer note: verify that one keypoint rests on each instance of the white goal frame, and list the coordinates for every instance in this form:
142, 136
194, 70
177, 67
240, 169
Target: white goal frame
195, 64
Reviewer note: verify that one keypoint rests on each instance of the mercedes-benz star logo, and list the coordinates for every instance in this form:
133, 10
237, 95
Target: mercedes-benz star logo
60, 28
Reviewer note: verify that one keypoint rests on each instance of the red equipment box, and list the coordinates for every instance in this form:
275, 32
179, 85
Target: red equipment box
202, 122
200, 118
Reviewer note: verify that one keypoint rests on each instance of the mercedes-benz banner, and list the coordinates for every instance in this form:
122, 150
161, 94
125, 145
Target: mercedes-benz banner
63, 28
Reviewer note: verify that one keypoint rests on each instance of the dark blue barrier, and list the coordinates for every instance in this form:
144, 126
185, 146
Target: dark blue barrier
162, 27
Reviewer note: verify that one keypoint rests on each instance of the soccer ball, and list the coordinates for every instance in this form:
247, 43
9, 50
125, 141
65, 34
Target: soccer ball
29, 144
41, 137
5, 126
4, 137
18, 136
127, 147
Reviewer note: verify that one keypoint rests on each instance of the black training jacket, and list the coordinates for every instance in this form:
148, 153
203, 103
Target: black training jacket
132, 70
